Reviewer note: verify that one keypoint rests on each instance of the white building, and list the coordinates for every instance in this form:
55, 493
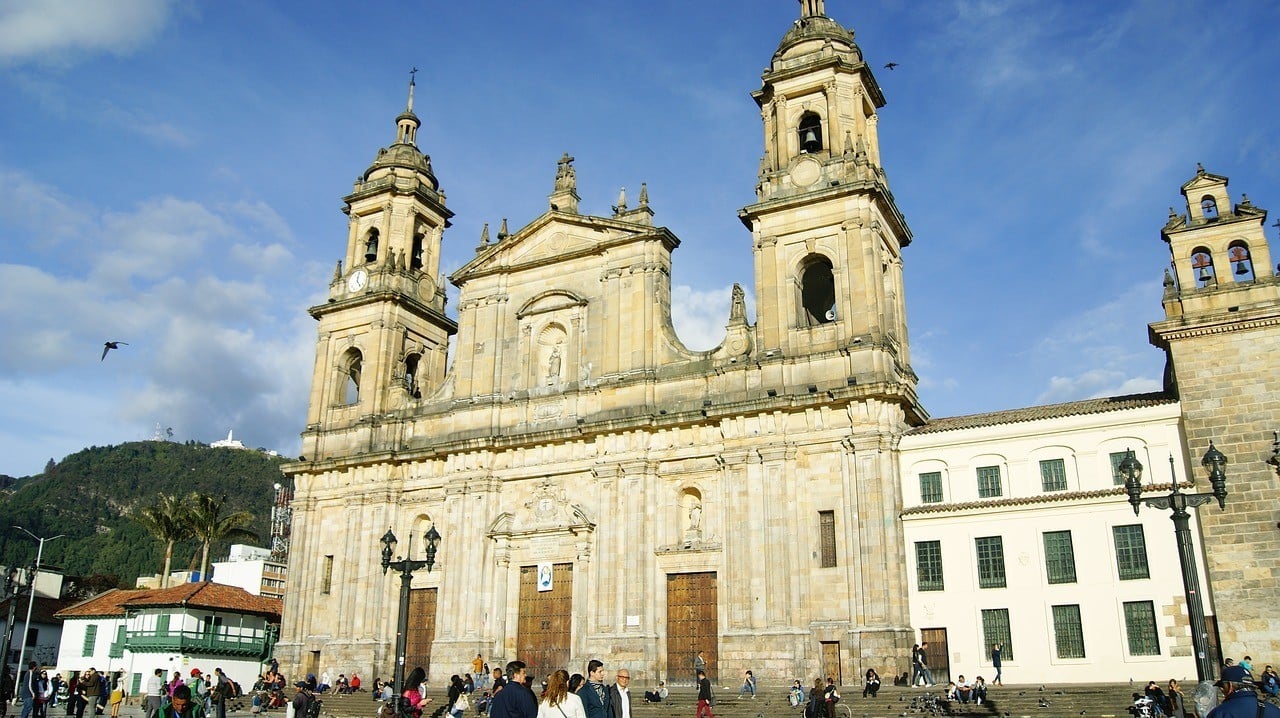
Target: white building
44, 631
251, 568
1019, 531
194, 625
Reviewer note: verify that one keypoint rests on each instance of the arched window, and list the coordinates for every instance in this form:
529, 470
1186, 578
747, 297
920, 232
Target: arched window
1209, 206
810, 133
415, 256
350, 367
1202, 267
411, 376
1241, 262
371, 246
818, 291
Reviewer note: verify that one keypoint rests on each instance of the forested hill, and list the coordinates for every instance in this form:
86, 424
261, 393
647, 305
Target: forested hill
87, 495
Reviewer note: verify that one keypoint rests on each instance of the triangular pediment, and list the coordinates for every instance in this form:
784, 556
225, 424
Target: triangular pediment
549, 238
1203, 180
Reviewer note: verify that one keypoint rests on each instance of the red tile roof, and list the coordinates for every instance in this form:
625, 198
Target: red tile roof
107, 604
214, 596
1048, 411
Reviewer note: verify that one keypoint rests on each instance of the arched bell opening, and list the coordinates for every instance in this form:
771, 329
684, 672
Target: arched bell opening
1241, 261
810, 133
1202, 267
371, 247
818, 291
349, 370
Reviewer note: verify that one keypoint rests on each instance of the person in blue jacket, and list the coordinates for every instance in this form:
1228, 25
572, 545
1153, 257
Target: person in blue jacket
1239, 699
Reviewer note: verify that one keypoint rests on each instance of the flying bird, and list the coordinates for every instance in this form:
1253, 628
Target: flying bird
108, 346
890, 65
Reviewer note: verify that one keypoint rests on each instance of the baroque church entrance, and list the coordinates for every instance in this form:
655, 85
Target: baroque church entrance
544, 630
691, 624
422, 629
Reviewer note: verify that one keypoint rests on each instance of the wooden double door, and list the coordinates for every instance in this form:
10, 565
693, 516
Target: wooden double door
544, 628
422, 630
692, 625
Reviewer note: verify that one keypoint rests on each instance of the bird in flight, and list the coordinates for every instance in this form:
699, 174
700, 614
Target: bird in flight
890, 65
108, 346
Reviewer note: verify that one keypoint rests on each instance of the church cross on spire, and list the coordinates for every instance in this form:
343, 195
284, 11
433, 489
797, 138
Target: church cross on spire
412, 73
812, 8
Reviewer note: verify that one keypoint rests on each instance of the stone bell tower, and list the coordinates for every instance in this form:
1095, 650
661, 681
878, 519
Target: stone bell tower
383, 331
1221, 332
827, 235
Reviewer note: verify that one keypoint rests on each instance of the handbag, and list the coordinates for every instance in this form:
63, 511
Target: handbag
463, 703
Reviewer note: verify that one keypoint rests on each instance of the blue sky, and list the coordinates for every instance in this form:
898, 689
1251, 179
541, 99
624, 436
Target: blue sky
171, 175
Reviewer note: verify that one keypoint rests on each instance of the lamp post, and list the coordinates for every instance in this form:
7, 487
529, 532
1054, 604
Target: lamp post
31, 592
406, 566
14, 585
1214, 461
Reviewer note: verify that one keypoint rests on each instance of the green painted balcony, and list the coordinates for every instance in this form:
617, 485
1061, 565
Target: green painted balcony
197, 643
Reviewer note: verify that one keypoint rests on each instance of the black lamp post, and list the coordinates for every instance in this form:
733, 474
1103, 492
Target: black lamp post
406, 567
1131, 470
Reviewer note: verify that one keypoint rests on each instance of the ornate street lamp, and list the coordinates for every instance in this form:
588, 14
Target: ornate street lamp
406, 567
1214, 462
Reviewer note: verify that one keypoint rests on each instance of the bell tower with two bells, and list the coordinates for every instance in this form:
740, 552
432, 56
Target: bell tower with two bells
1221, 333
383, 330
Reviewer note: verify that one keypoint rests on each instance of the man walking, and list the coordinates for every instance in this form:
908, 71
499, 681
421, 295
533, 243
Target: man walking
515, 700
595, 699
995, 663
27, 689
620, 695
155, 687
925, 673
704, 696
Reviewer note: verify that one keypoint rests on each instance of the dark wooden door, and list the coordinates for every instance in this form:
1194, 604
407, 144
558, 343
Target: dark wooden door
936, 654
422, 630
543, 632
831, 661
691, 625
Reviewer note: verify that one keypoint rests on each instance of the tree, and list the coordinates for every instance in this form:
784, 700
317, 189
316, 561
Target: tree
168, 520
209, 525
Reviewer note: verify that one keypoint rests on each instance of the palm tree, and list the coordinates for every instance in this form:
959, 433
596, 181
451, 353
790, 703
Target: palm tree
168, 520
209, 525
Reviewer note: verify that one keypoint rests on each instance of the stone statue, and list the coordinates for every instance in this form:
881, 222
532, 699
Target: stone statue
420, 375
566, 179
738, 305
695, 517
553, 365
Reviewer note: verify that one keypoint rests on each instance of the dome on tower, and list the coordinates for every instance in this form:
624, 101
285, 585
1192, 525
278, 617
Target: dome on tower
809, 34
402, 155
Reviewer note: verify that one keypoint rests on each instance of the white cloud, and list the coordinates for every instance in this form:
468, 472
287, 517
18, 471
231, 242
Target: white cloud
143, 124
161, 237
700, 316
51, 30
1095, 383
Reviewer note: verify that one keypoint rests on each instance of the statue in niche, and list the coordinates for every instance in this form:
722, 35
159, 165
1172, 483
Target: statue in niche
420, 378
695, 518
553, 365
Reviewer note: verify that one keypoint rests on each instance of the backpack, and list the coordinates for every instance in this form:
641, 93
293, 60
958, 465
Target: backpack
313, 708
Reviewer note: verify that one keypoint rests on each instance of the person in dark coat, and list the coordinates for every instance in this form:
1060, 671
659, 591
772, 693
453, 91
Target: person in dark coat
1239, 699
594, 695
515, 700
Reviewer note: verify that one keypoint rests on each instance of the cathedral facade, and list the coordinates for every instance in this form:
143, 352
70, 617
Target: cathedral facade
604, 492
739, 502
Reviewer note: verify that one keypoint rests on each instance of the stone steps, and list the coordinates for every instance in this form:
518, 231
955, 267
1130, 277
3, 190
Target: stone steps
1101, 700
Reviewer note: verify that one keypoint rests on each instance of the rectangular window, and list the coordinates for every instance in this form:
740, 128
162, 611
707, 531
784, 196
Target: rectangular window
326, 575
990, 562
931, 487
1131, 552
929, 565
1053, 475
90, 638
1059, 557
1116, 458
1067, 632
995, 629
1140, 626
827, 530
32, 635
989, 482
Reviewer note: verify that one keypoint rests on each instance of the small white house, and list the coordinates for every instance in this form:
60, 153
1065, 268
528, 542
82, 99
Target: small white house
1018, 531
190, 626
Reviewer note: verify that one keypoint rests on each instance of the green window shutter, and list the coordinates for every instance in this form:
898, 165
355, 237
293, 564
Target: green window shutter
90, 638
